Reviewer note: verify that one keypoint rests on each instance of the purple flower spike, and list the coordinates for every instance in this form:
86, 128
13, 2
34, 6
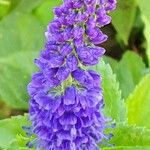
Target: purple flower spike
65, 99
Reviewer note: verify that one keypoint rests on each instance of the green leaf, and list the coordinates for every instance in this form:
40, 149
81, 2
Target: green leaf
4, 8
114, 105
10, 128
138, 104
126, 135
127, 148
123, 18
147, 36
129, 137
19, 33
112, 62
20, 6
45, 11
144, 7
26, 6
129, 71
19, 143
15, 73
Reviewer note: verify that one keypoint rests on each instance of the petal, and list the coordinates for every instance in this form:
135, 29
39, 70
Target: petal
100, 38
68, 118
50, 72
42, 100
79, 75
56, 61
81, 140
55, 104
83, 77
86, 121
47, 102
67, 34
96, 78
64, 135
65, 49
70, 96
78, 4
78, 32
93, 98
82, 100
60, 110
63, 73
72, 62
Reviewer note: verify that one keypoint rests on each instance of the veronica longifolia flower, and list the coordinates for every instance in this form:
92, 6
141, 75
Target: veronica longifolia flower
66, 99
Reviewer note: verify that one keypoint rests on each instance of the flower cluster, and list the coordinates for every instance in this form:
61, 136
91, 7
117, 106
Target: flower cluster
66, 99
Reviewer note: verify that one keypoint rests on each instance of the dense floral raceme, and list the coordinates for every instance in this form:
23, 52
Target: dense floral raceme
66, 99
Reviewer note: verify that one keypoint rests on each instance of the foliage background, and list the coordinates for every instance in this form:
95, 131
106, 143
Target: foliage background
124, 68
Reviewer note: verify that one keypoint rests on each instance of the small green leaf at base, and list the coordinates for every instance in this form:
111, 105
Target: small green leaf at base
10, 128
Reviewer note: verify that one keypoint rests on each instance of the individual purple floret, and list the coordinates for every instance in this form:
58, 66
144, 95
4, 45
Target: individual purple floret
65, 97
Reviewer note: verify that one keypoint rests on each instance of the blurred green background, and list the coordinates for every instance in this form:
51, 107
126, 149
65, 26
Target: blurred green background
125, 66
22, 27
